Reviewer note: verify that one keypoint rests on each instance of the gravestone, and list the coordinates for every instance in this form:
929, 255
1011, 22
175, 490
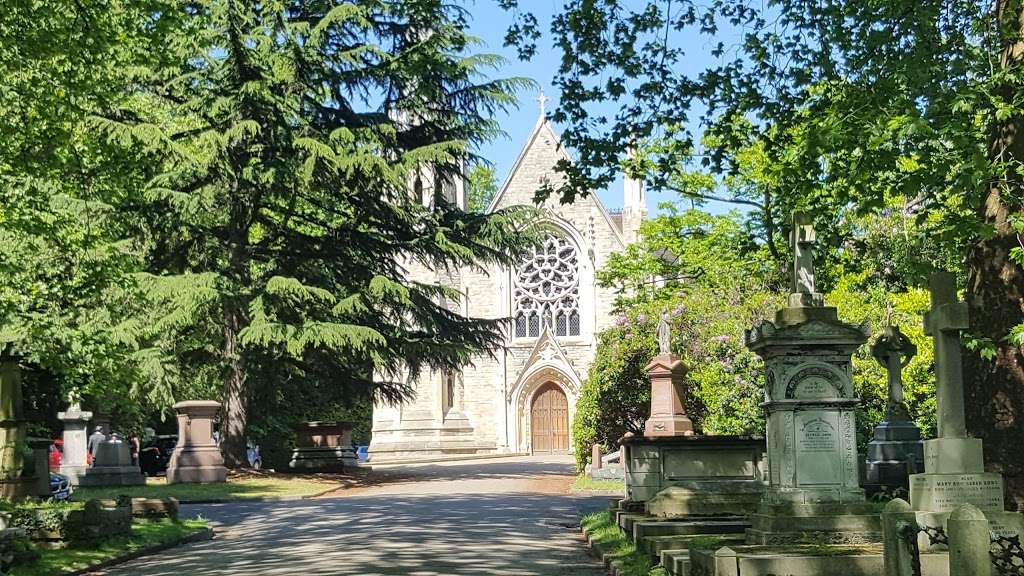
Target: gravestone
896, 450
676, 472
809, 403
14, 483
112, 466
666, 371
74, 463
324, 447
196, 458
954, 470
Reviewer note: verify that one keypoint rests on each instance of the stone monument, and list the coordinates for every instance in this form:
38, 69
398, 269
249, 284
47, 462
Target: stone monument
954, 469
112, 466
196, 458
73, 463
896, 450
809, 403
324, 447
666, 371
678, 473
14, 483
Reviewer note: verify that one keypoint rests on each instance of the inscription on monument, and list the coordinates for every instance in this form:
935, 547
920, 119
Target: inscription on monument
813, 382
817, 435
944, 492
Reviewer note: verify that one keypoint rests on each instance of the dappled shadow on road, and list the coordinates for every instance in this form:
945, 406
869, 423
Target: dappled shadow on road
479, 534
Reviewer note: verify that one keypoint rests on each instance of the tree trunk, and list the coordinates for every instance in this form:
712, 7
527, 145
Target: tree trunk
232, 427
995, 287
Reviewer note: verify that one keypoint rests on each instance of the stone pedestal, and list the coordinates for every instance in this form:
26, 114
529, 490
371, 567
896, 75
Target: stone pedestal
814, 485
112, 467
324, 447
39, 471
196, 458
895, 452
73, 463
668, 412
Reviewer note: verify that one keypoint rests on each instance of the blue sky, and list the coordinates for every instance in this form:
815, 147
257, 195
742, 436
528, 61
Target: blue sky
489, 24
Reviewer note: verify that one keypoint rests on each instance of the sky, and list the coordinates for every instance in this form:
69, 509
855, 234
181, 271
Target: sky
489, 23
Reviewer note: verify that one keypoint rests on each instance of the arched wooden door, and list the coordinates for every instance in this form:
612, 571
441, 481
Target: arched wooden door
549, 420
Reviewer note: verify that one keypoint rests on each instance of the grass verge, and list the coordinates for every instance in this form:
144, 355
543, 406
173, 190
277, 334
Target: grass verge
584, 483
609, 541
233, 489
144, 533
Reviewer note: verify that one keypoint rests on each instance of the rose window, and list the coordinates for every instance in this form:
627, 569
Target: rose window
547, 291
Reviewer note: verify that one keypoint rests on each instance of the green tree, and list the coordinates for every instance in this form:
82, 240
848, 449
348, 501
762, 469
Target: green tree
481, 186
67, 249
857, 105
299, 140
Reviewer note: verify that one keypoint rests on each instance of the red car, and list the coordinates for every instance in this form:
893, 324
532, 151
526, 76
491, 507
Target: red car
56, 454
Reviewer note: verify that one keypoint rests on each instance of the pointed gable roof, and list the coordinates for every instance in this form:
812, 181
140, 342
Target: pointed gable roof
541, 129
547, 353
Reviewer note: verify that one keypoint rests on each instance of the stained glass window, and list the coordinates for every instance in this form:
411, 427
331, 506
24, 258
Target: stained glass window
547, 291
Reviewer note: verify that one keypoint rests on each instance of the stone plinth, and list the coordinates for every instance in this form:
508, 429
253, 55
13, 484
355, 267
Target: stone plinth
112, 467
685, 475
196, 458
668, 411
895, 452
73, 462
810, 403
324, 446
814, 481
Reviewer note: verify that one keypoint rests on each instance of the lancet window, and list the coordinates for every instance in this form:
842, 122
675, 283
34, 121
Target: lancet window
547, 290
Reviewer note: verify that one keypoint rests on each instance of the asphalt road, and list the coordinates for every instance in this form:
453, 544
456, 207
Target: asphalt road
502, 517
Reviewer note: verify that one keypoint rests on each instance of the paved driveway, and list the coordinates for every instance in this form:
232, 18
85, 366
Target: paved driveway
502, 517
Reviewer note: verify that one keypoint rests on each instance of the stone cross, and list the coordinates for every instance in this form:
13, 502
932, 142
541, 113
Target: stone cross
542, 100
802, 239
664, 335
893, 350
943, 323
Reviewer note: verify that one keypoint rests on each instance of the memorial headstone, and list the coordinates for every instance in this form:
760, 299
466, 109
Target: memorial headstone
809, 403
196, 458
954, 469
896, 450
324, 447
112, 466
74, 462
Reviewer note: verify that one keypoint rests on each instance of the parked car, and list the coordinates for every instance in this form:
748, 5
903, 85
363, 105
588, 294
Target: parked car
60, 488
156, 454
362, 453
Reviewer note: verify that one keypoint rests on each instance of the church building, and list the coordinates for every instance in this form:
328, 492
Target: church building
521, 400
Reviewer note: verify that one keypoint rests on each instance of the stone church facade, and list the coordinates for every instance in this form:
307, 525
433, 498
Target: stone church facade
522, 399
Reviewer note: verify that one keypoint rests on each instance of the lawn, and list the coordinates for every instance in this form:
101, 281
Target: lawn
144, 533
233, 489
584, 483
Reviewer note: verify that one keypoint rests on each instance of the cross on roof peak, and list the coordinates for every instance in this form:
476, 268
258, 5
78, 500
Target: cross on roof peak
542, 99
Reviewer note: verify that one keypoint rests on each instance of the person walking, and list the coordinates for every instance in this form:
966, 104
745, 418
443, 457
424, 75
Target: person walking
95, 439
